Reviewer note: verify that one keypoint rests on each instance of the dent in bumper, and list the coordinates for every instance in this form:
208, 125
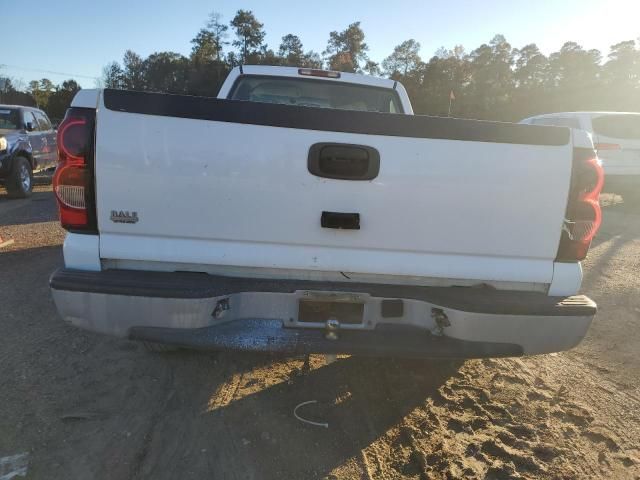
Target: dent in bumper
267, 335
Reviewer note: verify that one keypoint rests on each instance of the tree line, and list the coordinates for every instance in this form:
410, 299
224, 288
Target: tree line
494, 81
53, 99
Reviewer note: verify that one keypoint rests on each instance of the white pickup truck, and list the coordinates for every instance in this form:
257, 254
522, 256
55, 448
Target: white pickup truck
307, 211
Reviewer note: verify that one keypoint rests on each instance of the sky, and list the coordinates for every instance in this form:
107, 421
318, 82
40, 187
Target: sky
76, 39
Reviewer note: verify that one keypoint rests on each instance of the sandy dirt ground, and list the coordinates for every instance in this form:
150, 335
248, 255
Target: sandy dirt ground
74, 405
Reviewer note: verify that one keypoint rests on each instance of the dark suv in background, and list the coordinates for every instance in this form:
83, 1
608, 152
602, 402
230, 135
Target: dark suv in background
27, 143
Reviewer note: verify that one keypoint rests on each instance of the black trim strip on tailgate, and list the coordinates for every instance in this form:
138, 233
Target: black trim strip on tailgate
201, 285
331, 120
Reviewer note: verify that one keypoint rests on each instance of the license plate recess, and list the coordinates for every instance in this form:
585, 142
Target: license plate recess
346, 309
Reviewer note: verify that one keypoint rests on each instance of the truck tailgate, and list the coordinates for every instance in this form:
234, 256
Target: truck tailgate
215, 182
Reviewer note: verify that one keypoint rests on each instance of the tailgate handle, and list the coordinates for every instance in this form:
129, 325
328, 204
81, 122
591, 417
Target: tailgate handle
342, 221
343, 161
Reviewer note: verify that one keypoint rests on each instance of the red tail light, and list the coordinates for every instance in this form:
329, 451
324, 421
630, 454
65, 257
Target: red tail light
73, 180
584, 215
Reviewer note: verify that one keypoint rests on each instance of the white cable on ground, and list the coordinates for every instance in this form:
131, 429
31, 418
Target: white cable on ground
317, 424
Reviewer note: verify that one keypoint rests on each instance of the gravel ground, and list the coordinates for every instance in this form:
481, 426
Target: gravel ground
74, 405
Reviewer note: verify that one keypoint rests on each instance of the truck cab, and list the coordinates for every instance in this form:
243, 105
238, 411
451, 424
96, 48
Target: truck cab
309, 87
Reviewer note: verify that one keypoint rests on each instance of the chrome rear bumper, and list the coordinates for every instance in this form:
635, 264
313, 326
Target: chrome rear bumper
204, 311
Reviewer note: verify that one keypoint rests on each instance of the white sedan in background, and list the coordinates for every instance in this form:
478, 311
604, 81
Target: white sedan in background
616, 136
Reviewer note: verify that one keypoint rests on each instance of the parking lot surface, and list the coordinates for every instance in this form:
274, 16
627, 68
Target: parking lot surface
76, 405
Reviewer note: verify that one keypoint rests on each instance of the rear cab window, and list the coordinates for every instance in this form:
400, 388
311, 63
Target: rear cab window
625, 127
315, 93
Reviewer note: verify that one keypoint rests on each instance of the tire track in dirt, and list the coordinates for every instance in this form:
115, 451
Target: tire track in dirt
497, 419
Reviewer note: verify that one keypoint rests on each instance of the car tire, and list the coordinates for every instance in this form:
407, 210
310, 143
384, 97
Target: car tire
158, 347
19, 184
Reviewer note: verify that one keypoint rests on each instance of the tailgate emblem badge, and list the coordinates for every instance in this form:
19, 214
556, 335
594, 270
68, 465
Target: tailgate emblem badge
119, 216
